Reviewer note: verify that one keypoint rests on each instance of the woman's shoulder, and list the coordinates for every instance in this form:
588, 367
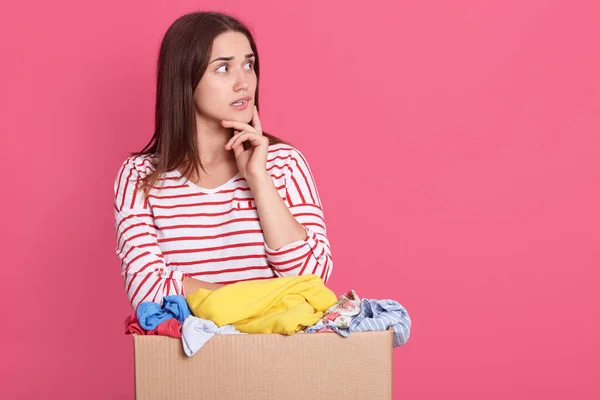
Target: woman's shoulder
137, 166
286, 152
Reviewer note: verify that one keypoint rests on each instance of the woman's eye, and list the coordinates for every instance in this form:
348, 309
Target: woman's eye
221, 68
251, 64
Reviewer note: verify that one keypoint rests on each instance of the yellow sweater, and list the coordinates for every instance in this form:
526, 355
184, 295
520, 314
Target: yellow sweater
278, 305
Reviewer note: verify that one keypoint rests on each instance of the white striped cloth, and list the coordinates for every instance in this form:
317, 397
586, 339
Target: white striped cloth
213, 235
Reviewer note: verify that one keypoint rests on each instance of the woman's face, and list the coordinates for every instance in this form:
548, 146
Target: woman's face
226, 90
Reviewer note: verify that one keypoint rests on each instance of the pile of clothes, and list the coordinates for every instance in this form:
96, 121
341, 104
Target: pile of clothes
284, 305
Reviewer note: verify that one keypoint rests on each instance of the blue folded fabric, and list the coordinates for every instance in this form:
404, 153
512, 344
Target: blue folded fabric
379, 315
151, 314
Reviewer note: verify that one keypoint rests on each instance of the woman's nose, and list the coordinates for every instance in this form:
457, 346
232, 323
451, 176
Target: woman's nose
241, 82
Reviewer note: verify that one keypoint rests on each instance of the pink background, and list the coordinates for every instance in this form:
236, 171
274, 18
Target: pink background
456, 146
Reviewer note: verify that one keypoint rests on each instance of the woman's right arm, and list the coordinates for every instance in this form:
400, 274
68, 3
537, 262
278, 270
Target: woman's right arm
142, 263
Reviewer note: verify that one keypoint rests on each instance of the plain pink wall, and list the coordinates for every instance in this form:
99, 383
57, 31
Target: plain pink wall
456, 146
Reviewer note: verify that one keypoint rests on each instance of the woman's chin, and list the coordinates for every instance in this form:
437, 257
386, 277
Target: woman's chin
240, 116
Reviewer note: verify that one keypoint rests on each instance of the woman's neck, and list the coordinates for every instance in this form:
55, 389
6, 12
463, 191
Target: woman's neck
212, 138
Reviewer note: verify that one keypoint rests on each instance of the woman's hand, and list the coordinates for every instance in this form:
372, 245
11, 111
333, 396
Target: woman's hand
252, 162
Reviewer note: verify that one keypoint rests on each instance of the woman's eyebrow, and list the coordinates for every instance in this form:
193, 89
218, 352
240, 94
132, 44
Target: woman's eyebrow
249, 55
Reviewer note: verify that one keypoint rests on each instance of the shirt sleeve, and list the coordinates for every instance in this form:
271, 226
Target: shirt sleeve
311, 255
142, 263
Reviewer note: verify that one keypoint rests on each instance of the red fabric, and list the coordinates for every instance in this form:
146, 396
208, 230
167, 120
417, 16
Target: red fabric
132, 326
170, 327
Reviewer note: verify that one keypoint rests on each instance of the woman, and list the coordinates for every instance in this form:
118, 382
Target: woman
212, 199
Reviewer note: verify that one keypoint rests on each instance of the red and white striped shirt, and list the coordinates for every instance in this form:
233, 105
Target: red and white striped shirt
212, 234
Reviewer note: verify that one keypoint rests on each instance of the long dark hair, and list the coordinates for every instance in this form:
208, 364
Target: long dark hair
183, 59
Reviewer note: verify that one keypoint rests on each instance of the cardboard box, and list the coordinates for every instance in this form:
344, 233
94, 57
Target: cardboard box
266, 366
